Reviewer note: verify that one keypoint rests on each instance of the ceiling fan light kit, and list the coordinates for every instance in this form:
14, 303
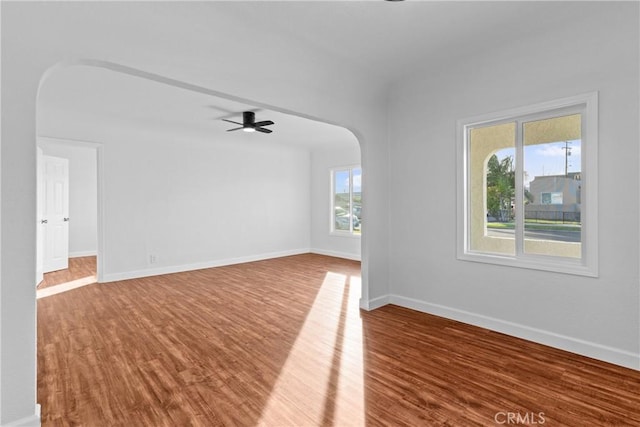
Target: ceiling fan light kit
249, 123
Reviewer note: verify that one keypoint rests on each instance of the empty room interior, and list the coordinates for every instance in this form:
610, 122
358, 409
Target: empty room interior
305, 213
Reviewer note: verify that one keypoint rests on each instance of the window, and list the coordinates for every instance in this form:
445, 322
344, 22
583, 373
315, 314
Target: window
527, 187
346, 201
551, 198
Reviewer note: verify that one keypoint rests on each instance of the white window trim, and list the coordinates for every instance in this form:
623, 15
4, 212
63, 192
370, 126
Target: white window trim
588, 264
332, 225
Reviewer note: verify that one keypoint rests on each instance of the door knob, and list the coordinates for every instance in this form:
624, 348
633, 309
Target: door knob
66, 219
43, 221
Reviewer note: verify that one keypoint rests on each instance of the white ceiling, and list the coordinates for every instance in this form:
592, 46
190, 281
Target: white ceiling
393, 39
390, 39
103, 96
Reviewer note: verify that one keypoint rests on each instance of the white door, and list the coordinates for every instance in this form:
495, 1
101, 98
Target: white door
54, 221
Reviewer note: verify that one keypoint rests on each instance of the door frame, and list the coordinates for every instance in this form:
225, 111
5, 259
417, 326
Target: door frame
39, 234
43, 141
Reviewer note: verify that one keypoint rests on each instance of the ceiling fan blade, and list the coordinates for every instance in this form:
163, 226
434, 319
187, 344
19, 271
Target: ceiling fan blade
241, 127
231, 121
263, 130
264, 123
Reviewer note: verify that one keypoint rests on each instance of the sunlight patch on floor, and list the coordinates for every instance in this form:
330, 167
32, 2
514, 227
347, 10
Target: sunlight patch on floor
350, 409
64, 287
322, 379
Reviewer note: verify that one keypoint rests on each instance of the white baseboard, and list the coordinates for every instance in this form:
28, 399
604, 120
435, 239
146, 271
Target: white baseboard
80, 254
597, 351
156, 271
374, 303
30, 421
345, 255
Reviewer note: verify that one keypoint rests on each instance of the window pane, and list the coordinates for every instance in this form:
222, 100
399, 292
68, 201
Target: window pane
341, 201
500, 191
357, 200
492, 188
552, 186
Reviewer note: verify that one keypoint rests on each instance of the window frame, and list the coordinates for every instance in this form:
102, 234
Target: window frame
332, 226
587, 264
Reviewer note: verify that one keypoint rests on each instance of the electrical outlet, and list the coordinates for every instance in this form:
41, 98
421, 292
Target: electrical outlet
153, 259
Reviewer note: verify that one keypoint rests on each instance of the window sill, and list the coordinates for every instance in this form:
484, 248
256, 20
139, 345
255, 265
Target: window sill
554, 265
345, 234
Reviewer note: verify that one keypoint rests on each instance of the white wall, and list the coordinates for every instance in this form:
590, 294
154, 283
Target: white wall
191, 201
599, 317
322, 161
199, 203
194, 202
83, 194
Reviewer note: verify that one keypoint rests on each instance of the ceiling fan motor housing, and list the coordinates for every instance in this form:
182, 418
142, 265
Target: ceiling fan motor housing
248, 118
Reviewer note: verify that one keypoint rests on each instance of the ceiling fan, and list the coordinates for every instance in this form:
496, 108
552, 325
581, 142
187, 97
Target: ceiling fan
249, 123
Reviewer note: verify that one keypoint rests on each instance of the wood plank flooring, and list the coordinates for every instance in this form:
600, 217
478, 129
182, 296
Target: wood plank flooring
79, 268
282, 343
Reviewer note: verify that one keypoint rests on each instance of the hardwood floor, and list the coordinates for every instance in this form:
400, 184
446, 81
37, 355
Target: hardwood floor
79, 268
283, 343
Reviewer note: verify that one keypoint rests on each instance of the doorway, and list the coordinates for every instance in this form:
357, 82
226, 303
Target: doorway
67, 210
